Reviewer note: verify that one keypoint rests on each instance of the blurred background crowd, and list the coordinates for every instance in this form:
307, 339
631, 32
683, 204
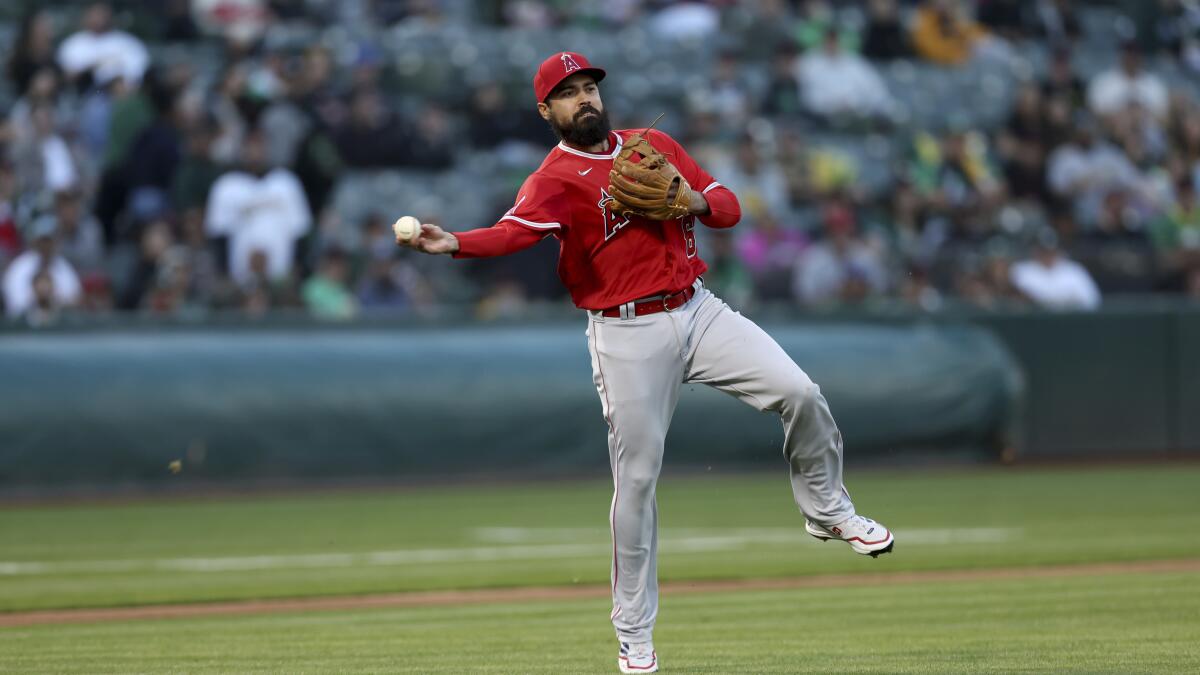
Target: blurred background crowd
185, 158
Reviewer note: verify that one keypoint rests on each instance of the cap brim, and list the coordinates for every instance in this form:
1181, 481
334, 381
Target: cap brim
596, 73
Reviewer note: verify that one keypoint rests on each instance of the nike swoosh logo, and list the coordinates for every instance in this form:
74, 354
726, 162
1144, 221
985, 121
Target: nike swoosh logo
584, 173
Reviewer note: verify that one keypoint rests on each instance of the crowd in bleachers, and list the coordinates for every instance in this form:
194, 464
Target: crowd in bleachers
194, 156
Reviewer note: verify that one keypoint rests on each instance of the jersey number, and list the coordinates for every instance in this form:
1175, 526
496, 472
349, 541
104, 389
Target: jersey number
688, 225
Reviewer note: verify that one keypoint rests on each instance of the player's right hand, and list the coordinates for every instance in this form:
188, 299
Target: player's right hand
433, 240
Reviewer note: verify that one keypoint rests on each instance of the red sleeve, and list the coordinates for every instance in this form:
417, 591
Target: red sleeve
723, 204
540, 210
503, 238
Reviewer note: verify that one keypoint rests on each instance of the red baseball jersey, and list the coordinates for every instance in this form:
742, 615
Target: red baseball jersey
605, 259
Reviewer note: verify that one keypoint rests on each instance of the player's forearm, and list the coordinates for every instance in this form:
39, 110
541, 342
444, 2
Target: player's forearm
501, 239
722, 208
697, 204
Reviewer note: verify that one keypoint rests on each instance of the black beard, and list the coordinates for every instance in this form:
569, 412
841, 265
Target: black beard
586, 131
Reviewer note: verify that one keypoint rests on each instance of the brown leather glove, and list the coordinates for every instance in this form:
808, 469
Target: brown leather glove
644, 188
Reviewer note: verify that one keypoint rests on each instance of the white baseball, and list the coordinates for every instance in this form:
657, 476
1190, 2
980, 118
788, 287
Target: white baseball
407, 228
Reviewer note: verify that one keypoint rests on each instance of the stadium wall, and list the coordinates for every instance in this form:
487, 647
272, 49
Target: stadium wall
116, 406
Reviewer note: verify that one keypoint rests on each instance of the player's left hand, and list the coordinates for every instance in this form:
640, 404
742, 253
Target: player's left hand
652, 188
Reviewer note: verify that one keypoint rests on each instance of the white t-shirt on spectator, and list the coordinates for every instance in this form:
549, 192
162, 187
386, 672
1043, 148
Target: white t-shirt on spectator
58, 165
18, 282
1114, 90
1101, 167
111, 54
820, 272
842, 83
267, 214
1063, 285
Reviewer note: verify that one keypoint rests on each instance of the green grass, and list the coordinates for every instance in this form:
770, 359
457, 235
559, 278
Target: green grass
735, 527
1108, 624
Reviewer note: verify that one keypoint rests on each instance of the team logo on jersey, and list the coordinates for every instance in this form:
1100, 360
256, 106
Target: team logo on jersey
569, 62
612, 221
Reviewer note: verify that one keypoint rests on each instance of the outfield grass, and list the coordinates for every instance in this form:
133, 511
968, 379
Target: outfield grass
1106, 624
551, 534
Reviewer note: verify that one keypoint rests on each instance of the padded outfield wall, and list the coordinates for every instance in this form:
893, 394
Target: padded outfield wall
111, 406
117, 405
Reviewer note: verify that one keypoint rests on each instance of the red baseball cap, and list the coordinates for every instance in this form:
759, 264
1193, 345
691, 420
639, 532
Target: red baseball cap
558, 68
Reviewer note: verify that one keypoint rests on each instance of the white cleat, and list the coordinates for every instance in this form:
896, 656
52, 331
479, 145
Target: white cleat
637, 657
864, 535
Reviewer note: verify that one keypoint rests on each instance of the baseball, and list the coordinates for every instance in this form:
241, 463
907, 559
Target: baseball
407, 228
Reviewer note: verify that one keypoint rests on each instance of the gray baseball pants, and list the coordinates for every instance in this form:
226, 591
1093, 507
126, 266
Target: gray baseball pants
638, 365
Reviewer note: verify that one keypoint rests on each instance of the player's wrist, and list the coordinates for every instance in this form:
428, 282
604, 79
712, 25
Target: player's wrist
698, 204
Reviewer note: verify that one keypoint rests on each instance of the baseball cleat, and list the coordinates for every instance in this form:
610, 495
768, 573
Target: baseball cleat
637, 657
864, 535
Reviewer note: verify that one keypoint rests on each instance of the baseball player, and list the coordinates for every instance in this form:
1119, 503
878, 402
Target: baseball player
623, 205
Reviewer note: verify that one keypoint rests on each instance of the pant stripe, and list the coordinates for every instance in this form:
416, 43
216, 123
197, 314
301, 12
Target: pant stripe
612, 511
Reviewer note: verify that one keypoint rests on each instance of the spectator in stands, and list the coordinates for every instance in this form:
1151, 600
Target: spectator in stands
843, 267
944, 32
44, 91
1053, 281
382, 286
1005, 18
760, 183
1056, 21
44, 161
1022, 146
10, 235
156, 238
372, 137
782, 95
726, 90
1084, 171
986, 281
838, 85
727, 274
1061, 80
769, 251
389, 284
261, 209
767, 30
101, 51
205, 283
20, 296
956, 172
197, 171
158, 147
1114, 90
694, 21
33, 51
432, 145
816, 19
492, 121
917, 290
885, 38
326, 294
81, 239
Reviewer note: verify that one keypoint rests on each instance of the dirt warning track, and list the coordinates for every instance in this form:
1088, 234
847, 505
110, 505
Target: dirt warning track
500, 595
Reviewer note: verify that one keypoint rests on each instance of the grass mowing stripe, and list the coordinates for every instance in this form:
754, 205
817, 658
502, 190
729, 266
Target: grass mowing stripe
576, 592
1063, 517
1098, 624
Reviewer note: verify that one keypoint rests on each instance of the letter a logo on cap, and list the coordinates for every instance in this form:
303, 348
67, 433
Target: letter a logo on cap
569, 62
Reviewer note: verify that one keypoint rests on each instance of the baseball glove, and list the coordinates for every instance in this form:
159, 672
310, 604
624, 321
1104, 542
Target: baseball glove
644, 188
